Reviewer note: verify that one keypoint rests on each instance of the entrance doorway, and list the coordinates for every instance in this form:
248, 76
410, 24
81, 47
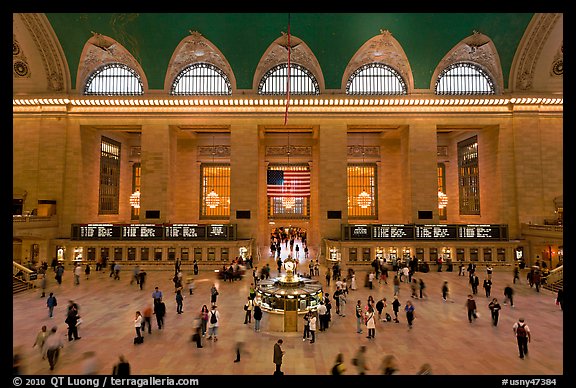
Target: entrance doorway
288, 241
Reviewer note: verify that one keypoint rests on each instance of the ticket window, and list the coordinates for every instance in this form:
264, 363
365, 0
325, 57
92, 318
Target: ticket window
224, 254
144, 254
171, 254
366, 254
501, 254
91, 254
212, 254
198, 254
353, 254
460, 254
184, 254
105, 254
118, 254
158, 254
131, 253
487, 254
473, 254
434, 254
420, 254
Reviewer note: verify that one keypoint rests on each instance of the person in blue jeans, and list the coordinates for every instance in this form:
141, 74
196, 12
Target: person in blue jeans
51, 303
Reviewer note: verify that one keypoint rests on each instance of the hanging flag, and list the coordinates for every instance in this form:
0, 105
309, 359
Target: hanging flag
289, 183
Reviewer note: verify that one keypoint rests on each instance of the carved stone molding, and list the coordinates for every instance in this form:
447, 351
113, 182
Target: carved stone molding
557, 68
485, 55
195, 48
217, 151
37, 26
20, 67
535, 41
100, 50
355, 151
277, 53
385, 49
283, 151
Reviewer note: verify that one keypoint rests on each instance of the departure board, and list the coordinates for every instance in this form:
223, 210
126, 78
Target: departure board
433, 232
96, 232
482, 232
184, 232
142, 232
393, 232
218, 232
359, 232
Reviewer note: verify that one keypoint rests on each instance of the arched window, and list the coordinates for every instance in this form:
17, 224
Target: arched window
302, 81
375, 79
464, 78
201, 79
114, 79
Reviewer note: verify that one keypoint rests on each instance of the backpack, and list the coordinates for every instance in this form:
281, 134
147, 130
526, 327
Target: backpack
388, 317
213, 318
521, 331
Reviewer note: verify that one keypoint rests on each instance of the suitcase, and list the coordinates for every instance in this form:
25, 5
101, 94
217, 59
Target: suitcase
138, 340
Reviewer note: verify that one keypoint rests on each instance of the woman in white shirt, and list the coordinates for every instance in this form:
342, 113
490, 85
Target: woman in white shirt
370, 322
138, 323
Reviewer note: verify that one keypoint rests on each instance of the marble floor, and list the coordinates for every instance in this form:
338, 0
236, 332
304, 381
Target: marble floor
441, 336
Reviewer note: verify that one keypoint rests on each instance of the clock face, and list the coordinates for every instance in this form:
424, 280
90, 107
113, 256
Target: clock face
289, 265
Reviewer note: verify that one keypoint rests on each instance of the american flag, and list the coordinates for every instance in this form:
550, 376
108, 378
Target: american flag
288, 183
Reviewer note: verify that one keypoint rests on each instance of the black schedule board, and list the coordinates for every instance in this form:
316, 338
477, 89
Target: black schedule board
217, 232
435, 232
393, 232
95, 232
142, 232
184, 232
482, 232
360, 232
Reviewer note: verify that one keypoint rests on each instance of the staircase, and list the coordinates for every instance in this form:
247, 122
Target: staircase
19, 285
555, 280
554, 286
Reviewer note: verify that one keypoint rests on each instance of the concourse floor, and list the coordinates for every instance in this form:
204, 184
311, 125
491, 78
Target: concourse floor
441, 336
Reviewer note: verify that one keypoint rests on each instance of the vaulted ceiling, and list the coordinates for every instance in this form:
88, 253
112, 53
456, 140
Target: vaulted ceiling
333, 38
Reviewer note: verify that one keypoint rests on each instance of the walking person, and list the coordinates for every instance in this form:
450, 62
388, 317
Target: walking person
422, 287
87, 271
204, 319
396, 309
213, 294
371, 322
338, 368
312, 322
509, 295
53, 345
77, 274
343, 300
214, 323
322, 312
409, 309
474, 283
147, 319
159, 311
380, 307
487, 284
40, 340
138, 326
359, 360
179, 301
72, 322
257, 316
445, 291
495, 308
122, 368
471, 308
278, 356
156, 295
197, 334
359, 316
248, 308
51, 302
560, 299
516, 274
306, 333
43, 285
523, 336
396, 283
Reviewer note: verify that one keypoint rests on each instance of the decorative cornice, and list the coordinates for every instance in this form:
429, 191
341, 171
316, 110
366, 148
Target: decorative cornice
216, 151
20, 67
48, 51
359, 151
533, 49
283, 150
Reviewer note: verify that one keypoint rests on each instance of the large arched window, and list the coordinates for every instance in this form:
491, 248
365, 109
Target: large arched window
114, 79
464, 78
375, 79
302, 82
201, 79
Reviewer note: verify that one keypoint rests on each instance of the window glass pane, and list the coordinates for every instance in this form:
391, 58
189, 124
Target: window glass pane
288, 191
464, 79
114, 79
201, 79
376, 79
109, 194
468, 177
275, 81
215, 191
362, 189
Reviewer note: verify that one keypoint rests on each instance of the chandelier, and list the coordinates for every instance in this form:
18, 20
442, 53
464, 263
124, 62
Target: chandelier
364, 199
288, 202
442, 200
212, 198
135, 199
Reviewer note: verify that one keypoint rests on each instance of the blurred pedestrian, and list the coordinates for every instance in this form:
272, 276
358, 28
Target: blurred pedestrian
425, 369
338, 368
389, 365
53, 345
40, 339
122, 368
359, 360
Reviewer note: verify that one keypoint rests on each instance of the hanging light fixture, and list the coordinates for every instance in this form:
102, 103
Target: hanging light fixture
442, 200
135, 199
212, 198
288, 201
364, 199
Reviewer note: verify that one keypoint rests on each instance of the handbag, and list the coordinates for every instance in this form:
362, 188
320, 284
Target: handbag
79, 322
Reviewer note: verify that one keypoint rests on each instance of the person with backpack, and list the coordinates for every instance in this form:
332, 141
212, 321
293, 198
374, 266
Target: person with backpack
213, 323
522, 333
